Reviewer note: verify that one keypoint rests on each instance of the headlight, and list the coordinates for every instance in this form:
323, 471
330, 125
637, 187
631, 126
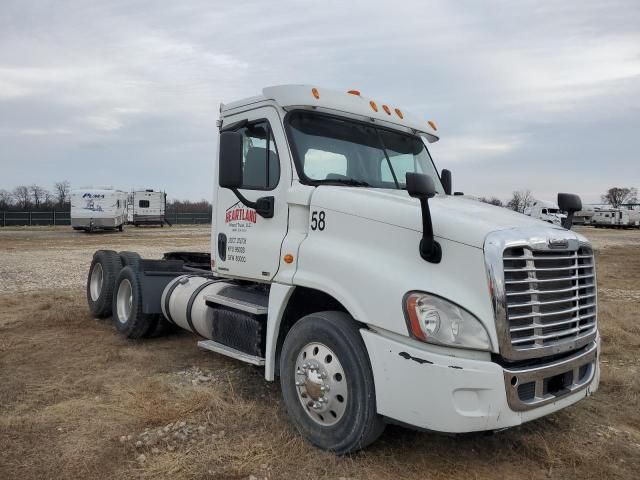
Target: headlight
435, 320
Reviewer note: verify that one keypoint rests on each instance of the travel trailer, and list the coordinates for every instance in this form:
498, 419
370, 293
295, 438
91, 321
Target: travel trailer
584, 216
546, 211
616, 218
98, 209
147, 207
342, 264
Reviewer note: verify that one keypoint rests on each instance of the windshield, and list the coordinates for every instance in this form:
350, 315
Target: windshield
335, 150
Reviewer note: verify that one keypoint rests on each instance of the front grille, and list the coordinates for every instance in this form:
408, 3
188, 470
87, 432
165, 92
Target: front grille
550, 297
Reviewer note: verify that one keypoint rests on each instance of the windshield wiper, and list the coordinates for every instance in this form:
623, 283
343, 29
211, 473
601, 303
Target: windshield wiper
352, 182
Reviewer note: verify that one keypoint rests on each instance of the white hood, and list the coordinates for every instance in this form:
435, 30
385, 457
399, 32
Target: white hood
454, 218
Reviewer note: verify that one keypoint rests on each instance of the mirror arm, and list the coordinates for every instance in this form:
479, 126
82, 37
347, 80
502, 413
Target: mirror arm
264, 206
430, 250
568, 222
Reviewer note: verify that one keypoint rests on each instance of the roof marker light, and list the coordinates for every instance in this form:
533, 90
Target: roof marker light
386, 109
354, 92
373, 106
432, 124
315, 93
399, 113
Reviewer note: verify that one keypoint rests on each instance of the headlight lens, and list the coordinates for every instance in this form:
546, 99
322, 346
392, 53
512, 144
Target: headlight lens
436, 320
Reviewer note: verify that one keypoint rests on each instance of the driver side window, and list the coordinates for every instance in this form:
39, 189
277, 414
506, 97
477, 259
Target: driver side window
260, 162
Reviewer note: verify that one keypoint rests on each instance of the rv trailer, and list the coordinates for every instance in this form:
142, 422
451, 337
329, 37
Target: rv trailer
147, 207
616, 218
98, 209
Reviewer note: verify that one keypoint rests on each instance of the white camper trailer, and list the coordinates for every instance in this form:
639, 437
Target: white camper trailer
616, 218
98, 209
147, 207
546, 211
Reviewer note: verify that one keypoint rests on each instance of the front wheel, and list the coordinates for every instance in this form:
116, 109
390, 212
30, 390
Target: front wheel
327, 383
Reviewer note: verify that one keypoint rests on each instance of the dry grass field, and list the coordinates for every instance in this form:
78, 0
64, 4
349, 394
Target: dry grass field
78, 401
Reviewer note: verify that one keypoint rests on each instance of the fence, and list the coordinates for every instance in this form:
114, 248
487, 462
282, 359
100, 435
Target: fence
11, 218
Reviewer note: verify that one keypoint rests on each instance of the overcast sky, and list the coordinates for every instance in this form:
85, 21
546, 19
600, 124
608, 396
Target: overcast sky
526, 94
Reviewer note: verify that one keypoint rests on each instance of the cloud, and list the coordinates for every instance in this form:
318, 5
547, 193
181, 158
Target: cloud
535, 95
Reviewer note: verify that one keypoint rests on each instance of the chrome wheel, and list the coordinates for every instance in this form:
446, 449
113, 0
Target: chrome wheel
124, 301
321, 384
96, 282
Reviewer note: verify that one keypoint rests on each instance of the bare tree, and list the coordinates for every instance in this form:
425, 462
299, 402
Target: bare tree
22, 196
616, 196
520, 201
492, 201
62, 192
6, 199
38, 194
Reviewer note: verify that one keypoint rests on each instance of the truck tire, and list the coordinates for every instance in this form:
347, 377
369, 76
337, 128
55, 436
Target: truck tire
327, 383
130, 320
131, 259
101, 280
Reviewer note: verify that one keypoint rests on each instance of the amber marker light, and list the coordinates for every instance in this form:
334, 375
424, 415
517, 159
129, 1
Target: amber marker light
288, 258
432, 124
354, 92
374, 107
399, 113
386, 109
315, 93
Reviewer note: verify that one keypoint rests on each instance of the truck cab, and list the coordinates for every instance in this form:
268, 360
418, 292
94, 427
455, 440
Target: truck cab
342, 263
547, 212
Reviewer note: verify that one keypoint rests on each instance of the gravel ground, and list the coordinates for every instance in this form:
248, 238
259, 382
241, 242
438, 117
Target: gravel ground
37, 258
77, 400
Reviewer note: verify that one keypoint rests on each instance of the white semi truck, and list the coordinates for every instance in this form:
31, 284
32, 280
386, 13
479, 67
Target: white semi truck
546, 211
342, 263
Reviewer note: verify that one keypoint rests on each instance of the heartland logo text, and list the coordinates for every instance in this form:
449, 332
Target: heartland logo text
240, 214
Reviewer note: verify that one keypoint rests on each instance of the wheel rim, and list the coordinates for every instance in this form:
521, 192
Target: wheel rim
321, 384
124, 301
97, 279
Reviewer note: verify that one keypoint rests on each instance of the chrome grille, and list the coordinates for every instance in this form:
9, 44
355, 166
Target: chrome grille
550, 298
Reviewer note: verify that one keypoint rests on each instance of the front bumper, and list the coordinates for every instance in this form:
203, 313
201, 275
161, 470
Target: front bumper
451, 394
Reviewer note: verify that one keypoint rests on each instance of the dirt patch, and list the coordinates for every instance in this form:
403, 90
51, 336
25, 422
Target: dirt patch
79, 401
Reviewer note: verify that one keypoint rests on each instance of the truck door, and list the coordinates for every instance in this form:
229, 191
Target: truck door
247, 245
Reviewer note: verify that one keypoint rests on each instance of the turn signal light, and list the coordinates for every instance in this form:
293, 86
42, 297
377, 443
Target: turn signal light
288, 258
315, 93
354, 92
432, 124
373, 106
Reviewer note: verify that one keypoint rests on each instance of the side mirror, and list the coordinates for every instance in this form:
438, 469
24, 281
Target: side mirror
230, 160
447, 182
422, 187
419, 185
569, 203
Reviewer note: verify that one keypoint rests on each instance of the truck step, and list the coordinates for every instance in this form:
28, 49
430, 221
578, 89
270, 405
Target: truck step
230, 352
235, 303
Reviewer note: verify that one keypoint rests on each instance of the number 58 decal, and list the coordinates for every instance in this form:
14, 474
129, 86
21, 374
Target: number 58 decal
317, 220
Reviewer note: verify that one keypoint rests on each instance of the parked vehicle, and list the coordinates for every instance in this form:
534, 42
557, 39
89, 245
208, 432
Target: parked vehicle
147, 207
616, 218
341, 263
584, 216
546, 211
98, 209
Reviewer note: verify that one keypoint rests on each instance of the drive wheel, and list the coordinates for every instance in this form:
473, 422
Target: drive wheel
131, 321
100, 282
327, 383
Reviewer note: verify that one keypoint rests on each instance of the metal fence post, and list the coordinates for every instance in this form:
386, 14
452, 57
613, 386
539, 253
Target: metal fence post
30, 218
54, 217
4, 218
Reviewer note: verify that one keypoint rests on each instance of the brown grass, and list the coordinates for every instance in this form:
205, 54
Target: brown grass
70, 387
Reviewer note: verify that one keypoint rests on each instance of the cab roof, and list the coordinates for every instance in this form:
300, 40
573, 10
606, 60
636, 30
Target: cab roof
352, 102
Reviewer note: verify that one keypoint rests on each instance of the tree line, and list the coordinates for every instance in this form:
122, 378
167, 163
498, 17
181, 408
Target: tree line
37, 197
522, 199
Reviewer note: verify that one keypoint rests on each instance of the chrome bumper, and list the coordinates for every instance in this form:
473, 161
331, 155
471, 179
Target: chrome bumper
532, 387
